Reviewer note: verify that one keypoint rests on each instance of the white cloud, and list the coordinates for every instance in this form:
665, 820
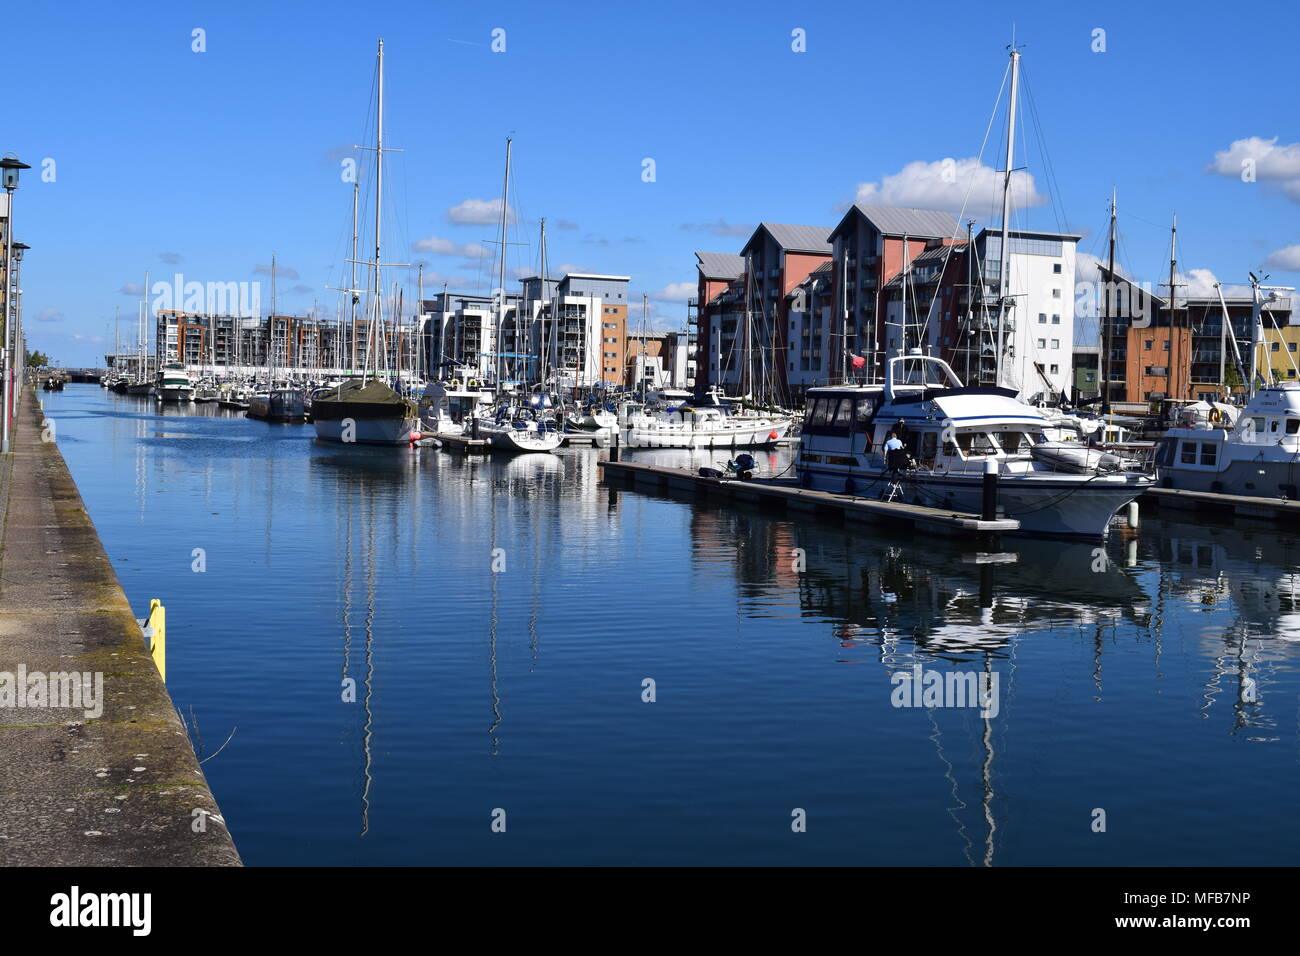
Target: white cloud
1287, 259
944, 184
477, 212
676, 292
49, 315
1199, 283
1272, 164
448, 247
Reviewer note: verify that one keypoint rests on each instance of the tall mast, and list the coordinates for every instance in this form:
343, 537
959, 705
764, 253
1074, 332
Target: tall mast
844, 334
352, 285
1174, 349
1004, 265
645, 302
501, 305
970, 295
542, 346
419, 316
270, 331
1106, 319
379, 201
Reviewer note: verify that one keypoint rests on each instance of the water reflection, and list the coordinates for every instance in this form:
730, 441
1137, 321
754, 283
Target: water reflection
779, 638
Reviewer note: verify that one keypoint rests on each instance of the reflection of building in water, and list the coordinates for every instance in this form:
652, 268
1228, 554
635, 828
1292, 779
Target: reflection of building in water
1253, 576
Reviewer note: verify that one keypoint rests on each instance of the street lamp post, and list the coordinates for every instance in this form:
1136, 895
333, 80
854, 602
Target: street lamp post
20, 340
9, 167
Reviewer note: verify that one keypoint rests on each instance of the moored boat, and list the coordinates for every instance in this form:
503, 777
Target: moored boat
365, 412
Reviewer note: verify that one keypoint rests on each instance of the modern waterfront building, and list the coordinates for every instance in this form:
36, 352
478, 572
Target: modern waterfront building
1155, 351
572, 329
297, 346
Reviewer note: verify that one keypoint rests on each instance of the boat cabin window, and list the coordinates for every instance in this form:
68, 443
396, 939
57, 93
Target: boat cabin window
1272, 425
1209, 453
929, 446
866, 407
1292, 426
1013, 443
1259, 424
1188, 455
975, 443
818, 414
844, 414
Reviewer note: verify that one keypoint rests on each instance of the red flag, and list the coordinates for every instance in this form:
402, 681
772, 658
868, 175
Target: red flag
858, 360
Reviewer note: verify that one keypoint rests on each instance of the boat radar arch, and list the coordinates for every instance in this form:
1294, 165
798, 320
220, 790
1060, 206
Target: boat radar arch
899, 366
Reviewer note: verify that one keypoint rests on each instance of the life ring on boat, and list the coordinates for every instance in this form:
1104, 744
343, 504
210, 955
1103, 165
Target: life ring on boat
455, 385
1216, 416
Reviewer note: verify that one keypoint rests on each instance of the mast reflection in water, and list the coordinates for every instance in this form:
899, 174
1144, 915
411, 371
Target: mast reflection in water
499, 617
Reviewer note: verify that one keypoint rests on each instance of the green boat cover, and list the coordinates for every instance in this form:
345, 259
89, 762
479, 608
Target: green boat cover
357, 399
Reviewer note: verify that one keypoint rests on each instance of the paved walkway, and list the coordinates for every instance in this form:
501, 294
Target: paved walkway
117, 789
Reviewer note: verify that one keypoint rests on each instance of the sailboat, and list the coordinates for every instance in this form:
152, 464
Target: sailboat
366, 410
275, 403
515, 424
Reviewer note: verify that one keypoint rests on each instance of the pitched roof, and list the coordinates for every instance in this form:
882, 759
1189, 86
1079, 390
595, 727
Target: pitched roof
903, 221
720, 265
815, 239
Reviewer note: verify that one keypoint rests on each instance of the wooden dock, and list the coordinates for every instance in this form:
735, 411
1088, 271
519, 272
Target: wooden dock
1244, 506
789, 496
462, 443
584, 440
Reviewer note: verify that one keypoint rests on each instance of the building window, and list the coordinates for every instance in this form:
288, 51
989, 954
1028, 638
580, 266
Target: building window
1055, 369
1056, 293
1056, 343
1042, 343
1042, 318
1274, 347
1056, 320
1146, 346
1056, 268
1166, 345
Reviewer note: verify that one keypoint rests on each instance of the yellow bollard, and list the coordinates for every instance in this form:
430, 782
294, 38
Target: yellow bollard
158, 636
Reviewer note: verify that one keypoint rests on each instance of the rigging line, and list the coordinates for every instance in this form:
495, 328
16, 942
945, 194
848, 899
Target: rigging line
1049, 169
970, 184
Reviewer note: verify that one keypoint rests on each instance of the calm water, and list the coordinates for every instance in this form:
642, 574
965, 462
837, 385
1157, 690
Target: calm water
1161, 688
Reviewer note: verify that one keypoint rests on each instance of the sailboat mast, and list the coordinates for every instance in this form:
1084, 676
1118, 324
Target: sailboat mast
1107, 319
542, 345
352, 285
501, 305
1004, 265
1174, 348
270, 331
419, 315
379, 204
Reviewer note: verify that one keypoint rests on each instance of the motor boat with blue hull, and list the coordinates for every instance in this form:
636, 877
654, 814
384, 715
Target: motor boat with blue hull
278, 405
1257, 455
949, 435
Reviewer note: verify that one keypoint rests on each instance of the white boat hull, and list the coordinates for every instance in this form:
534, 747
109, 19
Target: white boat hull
1072, 506
505, 438
733, 433
368, 431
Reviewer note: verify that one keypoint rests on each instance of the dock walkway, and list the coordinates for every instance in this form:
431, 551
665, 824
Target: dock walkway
118, 788
790, 496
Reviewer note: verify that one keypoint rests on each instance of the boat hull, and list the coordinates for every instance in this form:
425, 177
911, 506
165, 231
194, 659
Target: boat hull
1256, 479
736, 434
519, 440
1063, 506
367, 431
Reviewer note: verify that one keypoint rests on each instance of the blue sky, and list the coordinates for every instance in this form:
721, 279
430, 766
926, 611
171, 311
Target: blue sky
169, 160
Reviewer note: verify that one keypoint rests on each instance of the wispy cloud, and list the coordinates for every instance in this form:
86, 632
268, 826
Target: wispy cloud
1287, 259
436, 245
720, 227
171, 258
477, 212
675, 292
132, 288
49, 315
281, 272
